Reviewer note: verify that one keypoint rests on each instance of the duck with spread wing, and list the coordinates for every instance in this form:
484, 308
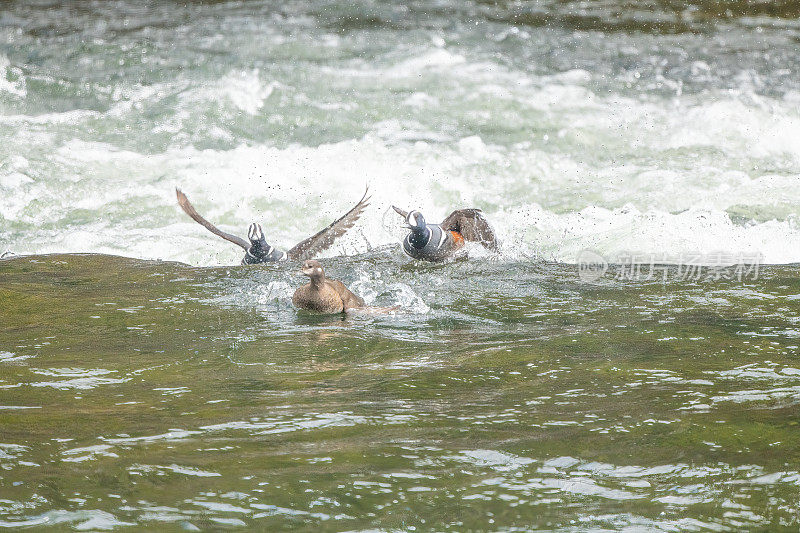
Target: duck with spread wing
258, 251
437, 242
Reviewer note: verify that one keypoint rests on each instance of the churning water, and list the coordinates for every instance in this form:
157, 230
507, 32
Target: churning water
508, 393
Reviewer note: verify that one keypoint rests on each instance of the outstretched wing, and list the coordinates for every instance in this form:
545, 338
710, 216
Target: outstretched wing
472, 226
322, 240
400, 212
189, 209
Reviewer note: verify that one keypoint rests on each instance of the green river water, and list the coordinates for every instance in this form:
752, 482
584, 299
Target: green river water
156, 394
147, 385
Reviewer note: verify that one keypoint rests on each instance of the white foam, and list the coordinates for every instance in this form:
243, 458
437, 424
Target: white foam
685, 166
12, 80
243, 89
233, 188
436, 58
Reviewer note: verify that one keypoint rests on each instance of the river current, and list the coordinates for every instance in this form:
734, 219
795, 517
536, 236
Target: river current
147, 381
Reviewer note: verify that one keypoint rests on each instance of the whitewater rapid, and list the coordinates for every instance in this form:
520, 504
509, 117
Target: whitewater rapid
654, 154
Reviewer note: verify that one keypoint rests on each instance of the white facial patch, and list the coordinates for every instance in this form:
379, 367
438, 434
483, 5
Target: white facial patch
255, 233
413, 218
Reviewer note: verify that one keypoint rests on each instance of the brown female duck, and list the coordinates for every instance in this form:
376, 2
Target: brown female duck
324, 295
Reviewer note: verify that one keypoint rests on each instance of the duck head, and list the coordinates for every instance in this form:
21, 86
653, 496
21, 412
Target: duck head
313, 269
420, 233
415, 221
259, 250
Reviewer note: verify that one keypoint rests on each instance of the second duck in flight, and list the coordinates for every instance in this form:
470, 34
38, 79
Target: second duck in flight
437, 242
258, 251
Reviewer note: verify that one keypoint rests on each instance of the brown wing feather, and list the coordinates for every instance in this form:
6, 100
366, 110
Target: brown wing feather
322, 240
471, 224
189, 209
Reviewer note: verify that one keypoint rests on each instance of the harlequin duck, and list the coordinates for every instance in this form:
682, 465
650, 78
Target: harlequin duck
437, 242
258, 251
323, 295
